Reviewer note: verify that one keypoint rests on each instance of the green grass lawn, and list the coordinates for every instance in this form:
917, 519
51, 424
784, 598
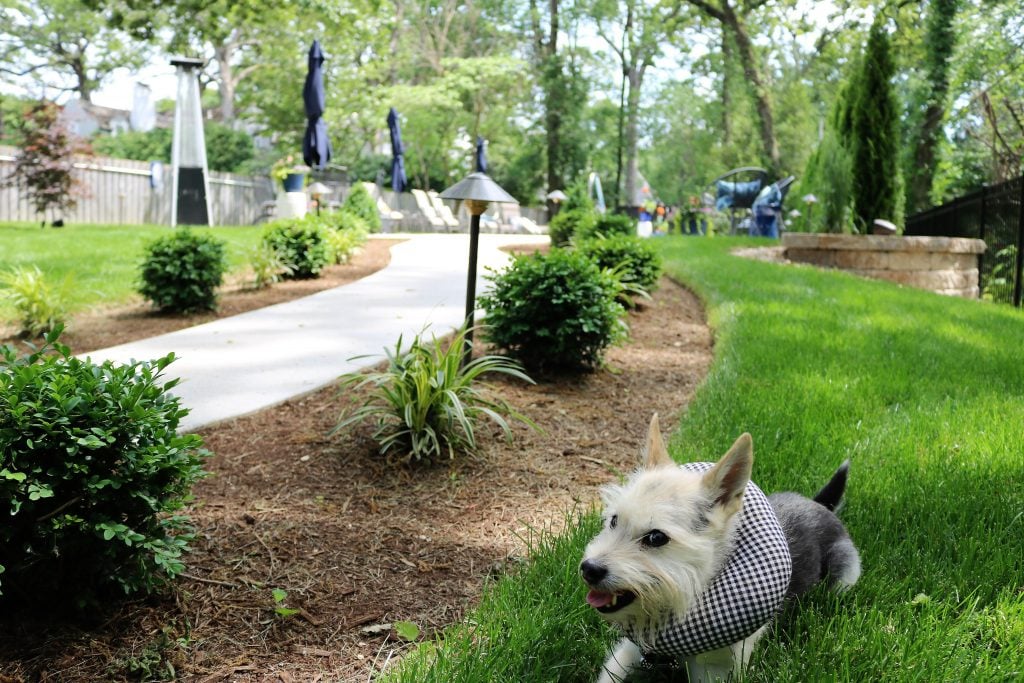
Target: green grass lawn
925, 395
101, 260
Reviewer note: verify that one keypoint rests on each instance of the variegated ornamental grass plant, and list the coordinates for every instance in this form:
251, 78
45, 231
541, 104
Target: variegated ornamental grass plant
41, 304
426, 404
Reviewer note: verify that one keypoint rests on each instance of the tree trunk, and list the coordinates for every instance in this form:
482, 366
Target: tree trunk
726, 90
84, 86
635, 78
762, 99
227, 81
940, 43
553, 74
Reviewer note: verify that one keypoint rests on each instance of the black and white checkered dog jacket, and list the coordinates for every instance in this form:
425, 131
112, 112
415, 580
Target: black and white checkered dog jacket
743, 597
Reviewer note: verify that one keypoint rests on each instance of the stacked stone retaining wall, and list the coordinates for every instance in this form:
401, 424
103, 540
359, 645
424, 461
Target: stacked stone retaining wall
945, 265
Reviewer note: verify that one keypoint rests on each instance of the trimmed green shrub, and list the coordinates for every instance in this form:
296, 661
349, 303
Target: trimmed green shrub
302, 243
93, 476
345, 219
554, 313
363, 205
636, 260
607, 225
567, 223
426, 405
182, 271
40, 305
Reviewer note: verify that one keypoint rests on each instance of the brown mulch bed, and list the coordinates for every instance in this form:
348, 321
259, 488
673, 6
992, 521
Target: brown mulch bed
357, 543
110, 326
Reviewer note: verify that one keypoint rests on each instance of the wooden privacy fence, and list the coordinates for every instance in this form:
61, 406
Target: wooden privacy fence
121, 191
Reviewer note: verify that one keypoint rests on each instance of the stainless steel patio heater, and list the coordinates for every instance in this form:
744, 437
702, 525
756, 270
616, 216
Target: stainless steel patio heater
190, 195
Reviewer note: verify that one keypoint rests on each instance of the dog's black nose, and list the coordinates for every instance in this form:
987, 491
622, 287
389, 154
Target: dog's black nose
592, 571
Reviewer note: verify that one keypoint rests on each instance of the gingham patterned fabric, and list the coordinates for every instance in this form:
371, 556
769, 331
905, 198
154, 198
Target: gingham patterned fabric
745, 595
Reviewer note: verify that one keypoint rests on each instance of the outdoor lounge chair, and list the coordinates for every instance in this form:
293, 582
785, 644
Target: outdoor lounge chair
513, 220
442, 210
428, 210
389, 218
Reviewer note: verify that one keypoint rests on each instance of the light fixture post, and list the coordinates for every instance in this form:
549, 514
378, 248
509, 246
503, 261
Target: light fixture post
477, 190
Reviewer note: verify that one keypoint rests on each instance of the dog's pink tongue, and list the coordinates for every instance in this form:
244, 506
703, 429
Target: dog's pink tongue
598, 599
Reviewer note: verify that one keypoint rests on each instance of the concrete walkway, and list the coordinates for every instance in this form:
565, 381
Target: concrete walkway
237, 365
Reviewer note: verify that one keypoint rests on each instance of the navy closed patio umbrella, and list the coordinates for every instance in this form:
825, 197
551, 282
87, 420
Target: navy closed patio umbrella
481, 155
316, 146
398, 180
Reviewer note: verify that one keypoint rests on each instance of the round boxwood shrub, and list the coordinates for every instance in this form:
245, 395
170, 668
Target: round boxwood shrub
555, 312
93, 476
567, 223
607, 225
635, 260
302, 243
182, 271
362, 204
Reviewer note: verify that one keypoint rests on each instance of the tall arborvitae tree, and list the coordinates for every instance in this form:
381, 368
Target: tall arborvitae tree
874, 119
940, 41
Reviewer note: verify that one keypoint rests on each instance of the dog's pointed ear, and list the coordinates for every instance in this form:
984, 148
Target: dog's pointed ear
655, 454
727, 480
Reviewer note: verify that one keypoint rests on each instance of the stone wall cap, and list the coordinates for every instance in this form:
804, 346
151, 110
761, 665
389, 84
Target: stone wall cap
810, 240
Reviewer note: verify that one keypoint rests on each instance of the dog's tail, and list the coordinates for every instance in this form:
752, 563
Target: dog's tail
831, 495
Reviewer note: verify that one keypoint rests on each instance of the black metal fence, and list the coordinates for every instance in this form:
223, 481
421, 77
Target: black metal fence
995, 214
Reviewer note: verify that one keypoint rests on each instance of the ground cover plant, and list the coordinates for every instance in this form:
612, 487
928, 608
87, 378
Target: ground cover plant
923, 393
103, 259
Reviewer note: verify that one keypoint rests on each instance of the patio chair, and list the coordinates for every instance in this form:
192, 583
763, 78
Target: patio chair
513, 220
389, 218
442, 210
429, 212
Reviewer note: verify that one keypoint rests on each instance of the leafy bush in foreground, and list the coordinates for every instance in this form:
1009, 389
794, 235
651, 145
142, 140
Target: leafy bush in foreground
554, 312
426, 405
182, 271
92, 476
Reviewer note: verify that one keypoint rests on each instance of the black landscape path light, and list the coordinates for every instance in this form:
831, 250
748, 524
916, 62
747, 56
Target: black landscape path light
317, 191
477, 190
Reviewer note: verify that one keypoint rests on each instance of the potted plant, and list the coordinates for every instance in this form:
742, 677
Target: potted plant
290, 173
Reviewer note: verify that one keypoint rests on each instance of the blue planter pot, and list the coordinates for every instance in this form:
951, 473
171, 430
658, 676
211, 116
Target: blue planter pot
294, 182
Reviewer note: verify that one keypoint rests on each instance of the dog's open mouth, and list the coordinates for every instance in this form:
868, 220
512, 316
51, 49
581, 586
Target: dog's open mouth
609, 602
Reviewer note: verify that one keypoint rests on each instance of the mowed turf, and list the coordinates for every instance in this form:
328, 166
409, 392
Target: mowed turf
923, 393
101, 262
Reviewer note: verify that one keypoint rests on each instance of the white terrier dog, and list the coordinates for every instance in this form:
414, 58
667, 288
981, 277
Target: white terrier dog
694, 561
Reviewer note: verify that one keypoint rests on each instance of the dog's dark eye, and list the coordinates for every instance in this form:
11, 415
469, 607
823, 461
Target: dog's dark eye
613, 522
654, 538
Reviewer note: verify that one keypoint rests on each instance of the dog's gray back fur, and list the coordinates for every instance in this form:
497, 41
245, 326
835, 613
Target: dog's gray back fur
818, 542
